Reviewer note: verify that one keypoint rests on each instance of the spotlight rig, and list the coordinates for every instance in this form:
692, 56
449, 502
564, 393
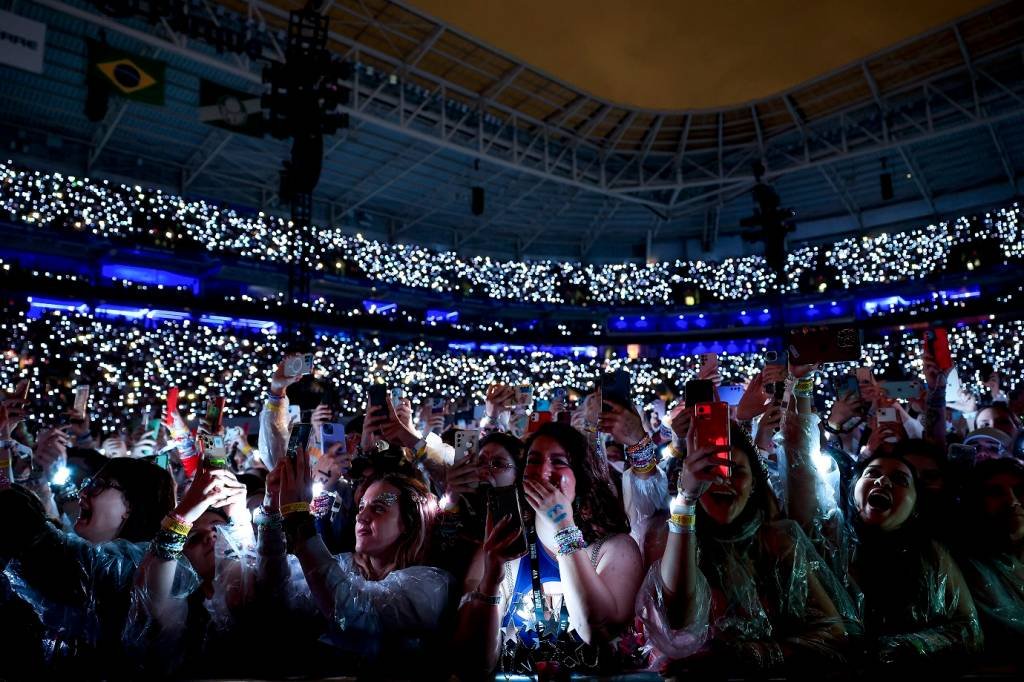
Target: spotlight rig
305, 95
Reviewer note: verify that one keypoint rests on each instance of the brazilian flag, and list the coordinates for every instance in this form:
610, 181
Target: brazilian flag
137, 78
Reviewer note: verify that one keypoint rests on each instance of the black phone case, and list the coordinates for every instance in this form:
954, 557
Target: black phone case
502, 502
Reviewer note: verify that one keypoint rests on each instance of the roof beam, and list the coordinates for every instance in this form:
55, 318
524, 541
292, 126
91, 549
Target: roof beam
495, 89
104, 134
844, 196
1004, 158
199, 161
616, 136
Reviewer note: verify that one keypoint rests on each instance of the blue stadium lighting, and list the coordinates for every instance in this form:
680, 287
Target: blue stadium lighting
379, 307
40, 306
222, 321
152, 276
467, 347
449, 316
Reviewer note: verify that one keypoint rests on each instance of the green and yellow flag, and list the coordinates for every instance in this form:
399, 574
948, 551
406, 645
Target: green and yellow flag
137, 78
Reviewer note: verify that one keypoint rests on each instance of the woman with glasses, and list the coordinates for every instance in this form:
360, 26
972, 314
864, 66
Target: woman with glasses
80, 582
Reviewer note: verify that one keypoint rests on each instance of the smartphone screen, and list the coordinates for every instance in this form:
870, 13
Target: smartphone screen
82, 398
299, 438
466, 442
504, 501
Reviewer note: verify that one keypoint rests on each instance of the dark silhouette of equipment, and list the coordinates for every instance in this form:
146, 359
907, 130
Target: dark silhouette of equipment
770, 223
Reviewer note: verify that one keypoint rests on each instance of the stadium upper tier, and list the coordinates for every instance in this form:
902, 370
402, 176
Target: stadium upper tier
51, 201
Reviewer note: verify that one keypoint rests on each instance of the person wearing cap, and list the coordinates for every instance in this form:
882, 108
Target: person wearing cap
989, 443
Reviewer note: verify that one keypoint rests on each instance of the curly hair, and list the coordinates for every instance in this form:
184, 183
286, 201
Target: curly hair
596, 510
417, 507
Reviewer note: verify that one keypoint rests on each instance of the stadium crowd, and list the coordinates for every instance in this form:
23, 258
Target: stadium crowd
174, 495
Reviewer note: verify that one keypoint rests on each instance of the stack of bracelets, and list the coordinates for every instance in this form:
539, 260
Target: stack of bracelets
643, 455
569, 541
298, 523
683, 517
169, 542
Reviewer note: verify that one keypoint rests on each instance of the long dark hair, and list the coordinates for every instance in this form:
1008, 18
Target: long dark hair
149, 492
596, 510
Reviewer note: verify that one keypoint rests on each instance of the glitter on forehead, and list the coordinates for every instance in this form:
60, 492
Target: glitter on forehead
387, 499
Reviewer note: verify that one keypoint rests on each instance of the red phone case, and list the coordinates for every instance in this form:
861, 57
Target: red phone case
172, 402
940, 348
712, 425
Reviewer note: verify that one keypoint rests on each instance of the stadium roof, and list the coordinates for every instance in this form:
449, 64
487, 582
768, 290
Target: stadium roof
566, 173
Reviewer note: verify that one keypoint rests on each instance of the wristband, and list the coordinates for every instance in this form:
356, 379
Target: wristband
570, 540
682, 523
485, 598
294, 508
167, 545
274, 398
804, 388
643, 456
171, 524
264, 519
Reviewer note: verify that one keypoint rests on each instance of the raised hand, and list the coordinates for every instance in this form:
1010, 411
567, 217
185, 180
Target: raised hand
279, 382
552, 504
623, 423
498, 396
700, 468
52, 450
210, 488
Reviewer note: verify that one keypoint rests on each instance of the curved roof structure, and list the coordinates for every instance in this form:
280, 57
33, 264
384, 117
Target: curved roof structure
566, 174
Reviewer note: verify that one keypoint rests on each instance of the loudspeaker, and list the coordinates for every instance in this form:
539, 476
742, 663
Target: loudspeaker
885, 184
476, 202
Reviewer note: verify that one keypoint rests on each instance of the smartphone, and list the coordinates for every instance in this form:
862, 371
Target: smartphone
730, 394
538, 419
437, 406
297, 365
82, 398
560, 393
397, 394
847, 385
504, 501
776, 389
615, 388
299, 438
215, 453
378, 395
213, 415
524, 396
466, 443
823, 345
938, 340
902, 390
887, 414
711, 423
172, 403
699, 391
962, 455
864, 376
330, 434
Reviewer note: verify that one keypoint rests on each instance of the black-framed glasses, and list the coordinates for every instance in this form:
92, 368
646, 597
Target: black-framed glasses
94, 486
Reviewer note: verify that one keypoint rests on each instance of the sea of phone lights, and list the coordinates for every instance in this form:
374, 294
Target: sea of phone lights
113, 211
130, 365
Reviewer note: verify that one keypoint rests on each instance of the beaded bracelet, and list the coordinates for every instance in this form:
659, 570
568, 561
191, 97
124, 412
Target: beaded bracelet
270, 520
294, 507
804, 388
569, 541
643, 456
167, 545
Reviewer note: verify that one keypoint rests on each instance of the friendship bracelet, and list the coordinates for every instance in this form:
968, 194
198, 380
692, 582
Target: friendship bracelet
639, 446
167, 545
271, 520
273, 398
804, 388
570, 540
294, 507
645, 469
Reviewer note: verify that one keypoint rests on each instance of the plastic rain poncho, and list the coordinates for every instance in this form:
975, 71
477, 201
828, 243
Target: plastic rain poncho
394, 623
761, 590
81, 592
174, 630
997, 585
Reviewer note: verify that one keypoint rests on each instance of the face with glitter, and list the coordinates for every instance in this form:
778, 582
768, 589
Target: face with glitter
378, 522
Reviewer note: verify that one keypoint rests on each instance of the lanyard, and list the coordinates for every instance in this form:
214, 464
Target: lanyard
538, 592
